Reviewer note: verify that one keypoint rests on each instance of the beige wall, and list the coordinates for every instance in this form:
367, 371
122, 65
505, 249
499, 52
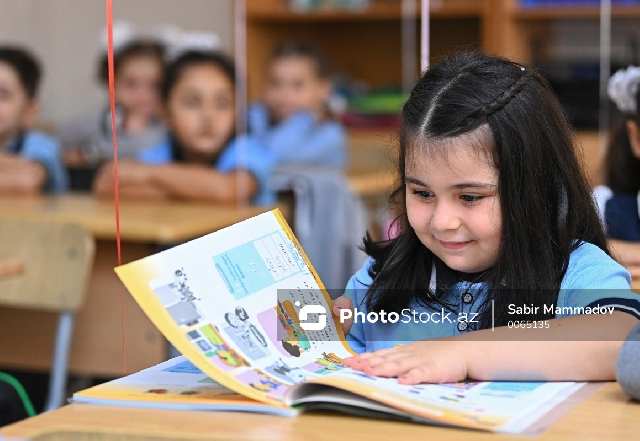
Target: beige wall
65, 35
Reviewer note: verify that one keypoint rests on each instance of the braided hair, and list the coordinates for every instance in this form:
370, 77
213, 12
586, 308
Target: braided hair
545, 201
506, 96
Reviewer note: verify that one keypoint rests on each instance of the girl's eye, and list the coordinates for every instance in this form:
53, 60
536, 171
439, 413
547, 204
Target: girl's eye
191, 103
422, 194
223, 104
469, 198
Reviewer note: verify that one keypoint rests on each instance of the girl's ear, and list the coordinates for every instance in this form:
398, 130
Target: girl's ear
633, 132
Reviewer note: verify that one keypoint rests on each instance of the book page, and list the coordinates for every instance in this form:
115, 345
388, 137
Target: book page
493, 406
175, 384
231, 303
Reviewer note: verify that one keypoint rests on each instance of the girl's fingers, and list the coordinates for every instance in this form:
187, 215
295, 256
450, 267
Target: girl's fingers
381, 359
393, 368
342, 302
417, 375
361, 360
339, 304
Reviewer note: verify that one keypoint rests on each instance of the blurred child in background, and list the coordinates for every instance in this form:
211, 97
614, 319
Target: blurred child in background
293, 121
138, 68
201, 159
30, 161
618, 198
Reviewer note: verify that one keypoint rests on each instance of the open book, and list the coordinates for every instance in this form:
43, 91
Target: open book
254, 323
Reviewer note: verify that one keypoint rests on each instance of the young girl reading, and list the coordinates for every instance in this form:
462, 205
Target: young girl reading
498, 234
618, 197
138, 66
292, 121
200, 159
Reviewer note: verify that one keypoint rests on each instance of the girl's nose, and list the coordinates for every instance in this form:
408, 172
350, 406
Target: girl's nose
209, 113
444, 218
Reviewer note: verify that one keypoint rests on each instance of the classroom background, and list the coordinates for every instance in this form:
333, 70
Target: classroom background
374, 51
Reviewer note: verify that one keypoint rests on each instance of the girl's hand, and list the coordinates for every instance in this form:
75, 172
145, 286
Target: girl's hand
426, 361
343, 302
627, 253
134, 173
129, 173
634, 270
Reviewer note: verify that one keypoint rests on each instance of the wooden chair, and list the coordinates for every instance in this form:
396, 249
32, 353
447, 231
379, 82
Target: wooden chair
46, 266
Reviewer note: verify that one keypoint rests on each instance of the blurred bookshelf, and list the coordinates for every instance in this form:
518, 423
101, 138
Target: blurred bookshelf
364, 44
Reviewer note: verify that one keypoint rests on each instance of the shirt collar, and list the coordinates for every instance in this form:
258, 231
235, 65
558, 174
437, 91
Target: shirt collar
443, 278
15, 144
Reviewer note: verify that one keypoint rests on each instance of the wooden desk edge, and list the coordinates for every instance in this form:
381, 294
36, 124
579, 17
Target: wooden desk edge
610, 412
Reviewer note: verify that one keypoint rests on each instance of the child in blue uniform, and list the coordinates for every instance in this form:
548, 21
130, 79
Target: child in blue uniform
30, 161
293, 121
500, 254
138, 69
201, 159
618, 197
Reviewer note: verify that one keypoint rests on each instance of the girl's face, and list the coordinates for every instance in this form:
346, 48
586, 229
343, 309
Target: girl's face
17, 111
294, 85
137, 85
453, 205
201, 109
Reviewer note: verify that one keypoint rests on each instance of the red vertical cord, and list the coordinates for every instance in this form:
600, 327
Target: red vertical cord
115, 161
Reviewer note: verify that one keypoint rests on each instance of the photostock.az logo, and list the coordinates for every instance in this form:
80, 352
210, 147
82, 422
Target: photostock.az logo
312, 309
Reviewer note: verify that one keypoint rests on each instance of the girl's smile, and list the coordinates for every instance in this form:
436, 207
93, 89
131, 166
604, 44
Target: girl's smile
454, 246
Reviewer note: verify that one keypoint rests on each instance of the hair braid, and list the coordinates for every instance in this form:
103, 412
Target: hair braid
503, 99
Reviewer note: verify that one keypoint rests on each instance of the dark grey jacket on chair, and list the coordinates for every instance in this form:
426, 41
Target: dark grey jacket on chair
628, 368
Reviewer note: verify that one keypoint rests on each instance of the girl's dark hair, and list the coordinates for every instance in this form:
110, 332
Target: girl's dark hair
546, 204
303, 50
137, 48
191, 58
26, 67
622, 168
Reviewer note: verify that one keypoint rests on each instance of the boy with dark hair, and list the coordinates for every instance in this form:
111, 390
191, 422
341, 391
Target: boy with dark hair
30, 161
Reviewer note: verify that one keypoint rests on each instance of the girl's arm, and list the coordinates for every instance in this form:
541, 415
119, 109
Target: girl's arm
20, 175
575, 348
182, 181
131, 183
128, 191
198, 182
627, 253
